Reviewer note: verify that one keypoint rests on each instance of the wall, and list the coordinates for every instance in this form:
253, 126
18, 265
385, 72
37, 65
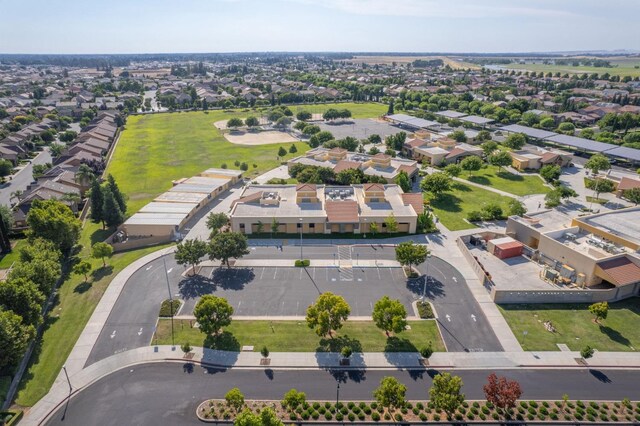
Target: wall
477, 269
564, 296
523, 233
566, 255
135, 243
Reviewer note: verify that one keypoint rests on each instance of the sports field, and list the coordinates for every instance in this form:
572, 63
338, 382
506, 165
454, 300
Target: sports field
155, 149
621, 67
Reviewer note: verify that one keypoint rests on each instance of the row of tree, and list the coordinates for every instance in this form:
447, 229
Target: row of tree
108, 204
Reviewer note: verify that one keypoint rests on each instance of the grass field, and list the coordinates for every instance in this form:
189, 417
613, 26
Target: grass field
7, 260
75, 304
624, 67
358, 110
575, 326
503, 180
452, 207
295, 336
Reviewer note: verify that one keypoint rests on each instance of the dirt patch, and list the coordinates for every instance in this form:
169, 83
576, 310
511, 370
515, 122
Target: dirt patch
259, 138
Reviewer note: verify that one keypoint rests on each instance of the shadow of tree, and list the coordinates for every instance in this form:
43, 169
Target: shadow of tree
224, 341
447, 202
614, 335
196, 286
398, 344
232, 278
600, 376
102, 272
480, 180
356, 375
269, 373
336, 344
509, 176
187, 367
433, 288
100, 235
82, 287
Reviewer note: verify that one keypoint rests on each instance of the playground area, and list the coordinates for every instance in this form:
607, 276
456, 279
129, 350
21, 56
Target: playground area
266, 137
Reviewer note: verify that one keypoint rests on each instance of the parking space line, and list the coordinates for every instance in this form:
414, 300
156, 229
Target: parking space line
275, 272
262, 273
314, 273
378, 269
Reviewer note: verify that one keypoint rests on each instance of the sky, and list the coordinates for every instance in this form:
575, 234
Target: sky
167, 26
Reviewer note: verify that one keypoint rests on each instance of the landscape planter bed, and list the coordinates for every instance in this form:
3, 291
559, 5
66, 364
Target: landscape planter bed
420, 412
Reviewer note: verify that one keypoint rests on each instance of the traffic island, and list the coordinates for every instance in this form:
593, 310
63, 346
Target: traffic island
220, 411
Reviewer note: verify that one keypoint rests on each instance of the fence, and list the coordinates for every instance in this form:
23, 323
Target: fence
565, 296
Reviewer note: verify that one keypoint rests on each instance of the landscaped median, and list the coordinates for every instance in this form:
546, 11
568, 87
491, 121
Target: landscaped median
296, 336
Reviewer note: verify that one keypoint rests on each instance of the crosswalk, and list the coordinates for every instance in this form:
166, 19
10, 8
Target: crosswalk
344, 263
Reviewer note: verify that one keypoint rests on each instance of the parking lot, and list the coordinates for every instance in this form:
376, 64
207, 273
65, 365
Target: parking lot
288, 291
360, 128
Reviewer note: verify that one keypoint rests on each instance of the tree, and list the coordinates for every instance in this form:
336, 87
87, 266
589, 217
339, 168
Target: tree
600, 185
501, 392
587, 352
5, 167
117, 195
55, 222
632, 195
320, 138
409, 253
515, 141
190, 252
427, 351
215, 221
101, 250
282, 152
23, 298
14, 338
403, 181
97, 201
226, 245
266, 417
82, 268
599, 310
212, 313
501, 159
310, 130
186, 348
373, 228
327, 314
391, 393
303, 115
471, 163
391, 223
346, 352
293, 149
491, 211
293, 399
453, 170
445, 393
567, 128
547, 123
111, 212
389, 315
597, 163
550, 172
84, 176
252, 121
436, 183
516, 208
489, 147
275, 225
234, 399
264, 352
552, 199
234, 123
458, 136
390, 109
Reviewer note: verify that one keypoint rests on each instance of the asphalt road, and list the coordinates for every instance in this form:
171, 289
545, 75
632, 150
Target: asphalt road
22, 179
288, 291
168, 393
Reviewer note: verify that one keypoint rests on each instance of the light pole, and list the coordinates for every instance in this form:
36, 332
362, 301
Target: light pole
166, 274
300, 239
426, 274
338, 392
64, 368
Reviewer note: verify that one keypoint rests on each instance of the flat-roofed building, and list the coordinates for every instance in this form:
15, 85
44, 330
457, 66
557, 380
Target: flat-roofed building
339, 159
597, 251
325, 209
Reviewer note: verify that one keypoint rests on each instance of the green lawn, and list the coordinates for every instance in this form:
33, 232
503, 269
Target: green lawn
295, 336
75, 304
503, 180
452, 207
575, 327
7, 260
158, 148
626, 66
358, 110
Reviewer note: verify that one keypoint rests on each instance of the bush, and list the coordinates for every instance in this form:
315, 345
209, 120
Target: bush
420, 406
302, 263
485, 409
398, 417
166, 309
423, 417
361, 416
375, 416
339, 417
351, 417
344, 410
351, 404
425, 310
474, 216
328, 415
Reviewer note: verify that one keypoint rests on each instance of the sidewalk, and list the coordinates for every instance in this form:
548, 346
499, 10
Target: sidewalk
320, 360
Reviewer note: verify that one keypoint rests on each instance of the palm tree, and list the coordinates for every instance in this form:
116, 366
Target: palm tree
84, 175
16, 194
71, 199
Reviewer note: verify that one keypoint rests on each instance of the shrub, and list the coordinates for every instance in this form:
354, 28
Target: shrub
375, 416
423, 417
322, 410
474, 216
374, 405
604, 417
420, 406
302, 263
351, 404
482, 416
485, 409
495, 416
166, 308
356, 410
403, 410
339, 417
614, 418
305, 415
398, 417
328, 415
327, 405
351, 417
361, 416
580, 404
533, 404
315, 405
344, 410
553, 416
530, 416
545, 404
424, 310
524, 404
367, 410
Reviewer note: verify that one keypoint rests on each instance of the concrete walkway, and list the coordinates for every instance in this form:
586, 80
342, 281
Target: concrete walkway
294, 360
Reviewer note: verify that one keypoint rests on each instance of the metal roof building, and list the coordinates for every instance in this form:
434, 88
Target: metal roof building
582, 143
529, 131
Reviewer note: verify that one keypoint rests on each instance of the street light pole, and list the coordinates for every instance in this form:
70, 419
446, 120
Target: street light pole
301, 239
64, 368
166, 274
338, 393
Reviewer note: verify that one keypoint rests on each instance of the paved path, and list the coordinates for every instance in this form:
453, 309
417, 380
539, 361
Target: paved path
23, 178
